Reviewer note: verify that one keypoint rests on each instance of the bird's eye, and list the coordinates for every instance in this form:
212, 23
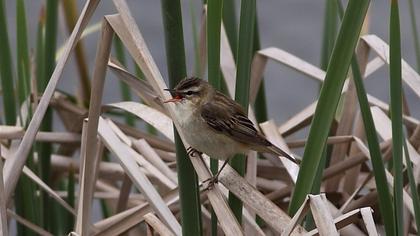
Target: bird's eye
189, 92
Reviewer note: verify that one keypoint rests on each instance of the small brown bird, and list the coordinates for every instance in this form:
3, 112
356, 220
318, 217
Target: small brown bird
215, 124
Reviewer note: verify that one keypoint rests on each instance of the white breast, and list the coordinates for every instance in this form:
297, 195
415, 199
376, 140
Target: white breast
202, 138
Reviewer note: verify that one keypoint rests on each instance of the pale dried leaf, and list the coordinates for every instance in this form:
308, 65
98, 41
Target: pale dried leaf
321, 214
366, 213
127, 160
13, 165
154, 117
157, 225
28, 224
255, 200
270, 130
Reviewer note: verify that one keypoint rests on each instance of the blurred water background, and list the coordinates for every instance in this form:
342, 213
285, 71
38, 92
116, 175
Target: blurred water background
293, 25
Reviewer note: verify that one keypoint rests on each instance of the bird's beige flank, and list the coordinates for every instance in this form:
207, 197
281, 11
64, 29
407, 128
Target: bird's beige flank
215, 124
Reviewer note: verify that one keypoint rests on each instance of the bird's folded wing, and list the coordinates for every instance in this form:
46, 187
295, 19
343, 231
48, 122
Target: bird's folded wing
232, 122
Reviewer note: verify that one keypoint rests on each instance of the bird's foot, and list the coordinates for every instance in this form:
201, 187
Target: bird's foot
210, 182
191, 151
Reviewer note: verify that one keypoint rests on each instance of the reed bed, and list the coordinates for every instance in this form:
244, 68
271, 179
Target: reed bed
360, 167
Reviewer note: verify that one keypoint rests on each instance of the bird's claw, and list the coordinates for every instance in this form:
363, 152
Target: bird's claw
211, 182
191, 151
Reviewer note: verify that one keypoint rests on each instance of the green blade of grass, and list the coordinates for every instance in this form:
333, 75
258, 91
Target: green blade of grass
328, 99
260, 104
416, 40
187, 179
6, 70
413, 188
244, 58
29, 200
195, 36
40, 52
396, 113
50, 221
22, 52
384, 194
214, 20
329, 33
70, 14
40, 72
70, 200
229, 21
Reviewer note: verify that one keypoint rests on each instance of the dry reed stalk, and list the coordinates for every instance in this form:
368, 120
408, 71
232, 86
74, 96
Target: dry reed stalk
3, 202
90, 156
157, 225
255, 200
349, 180
28, 172
162, 145
356, 191
150, 154
321, 214
383, 127
409, 75
347, 118
270, 130
367, 217
51, 137
129, 34
331, 140
124, 194
251, 178
141, 87
12, 167
345, 220
127, 160
155, 118
123, 221
28, 224
107, 170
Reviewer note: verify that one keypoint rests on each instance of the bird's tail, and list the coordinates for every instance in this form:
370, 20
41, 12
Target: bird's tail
277, 151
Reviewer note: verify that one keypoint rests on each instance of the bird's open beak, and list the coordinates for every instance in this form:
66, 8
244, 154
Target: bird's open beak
176, 97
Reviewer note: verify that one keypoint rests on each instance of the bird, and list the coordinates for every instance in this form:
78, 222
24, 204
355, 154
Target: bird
214, 124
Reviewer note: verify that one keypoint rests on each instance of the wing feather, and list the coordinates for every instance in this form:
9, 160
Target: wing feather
226, 116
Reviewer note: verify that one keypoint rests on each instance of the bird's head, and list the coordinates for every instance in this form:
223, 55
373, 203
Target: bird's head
190, 91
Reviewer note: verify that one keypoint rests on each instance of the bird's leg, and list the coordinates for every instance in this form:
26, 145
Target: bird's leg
215, 179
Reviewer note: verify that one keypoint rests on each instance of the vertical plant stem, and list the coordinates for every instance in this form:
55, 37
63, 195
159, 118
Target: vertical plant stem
22, 53
28, 201
40, 73
229, 21
328, 99
70, 15
45, 148
329, 33
214, 20
6, 70
396, 113
70, 199
194, 20
260, 104
187, 179
416, 40
384, 194
244, 58
413, 189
